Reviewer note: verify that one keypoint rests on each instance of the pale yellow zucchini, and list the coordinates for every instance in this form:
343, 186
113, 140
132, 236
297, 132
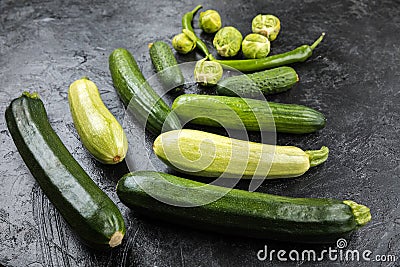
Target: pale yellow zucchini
99, 130
210, 155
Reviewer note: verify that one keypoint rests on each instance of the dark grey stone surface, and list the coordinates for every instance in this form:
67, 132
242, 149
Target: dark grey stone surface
353, 78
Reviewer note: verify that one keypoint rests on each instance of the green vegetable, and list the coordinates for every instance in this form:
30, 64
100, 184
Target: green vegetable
267, 25
227, 41
184, 42
137, 94
207, 73
255, 46
98, 129
240, 212
300, 54
204, 154
87, 209
210, 21
187, 24
241, 113
166, 65
252, 85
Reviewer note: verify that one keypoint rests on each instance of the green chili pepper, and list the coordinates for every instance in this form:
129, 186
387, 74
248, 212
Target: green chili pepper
187, 24
299, 54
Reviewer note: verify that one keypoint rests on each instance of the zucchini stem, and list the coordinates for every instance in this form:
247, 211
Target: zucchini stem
116, 239
314, 45
318, 156
362, 214
33, 95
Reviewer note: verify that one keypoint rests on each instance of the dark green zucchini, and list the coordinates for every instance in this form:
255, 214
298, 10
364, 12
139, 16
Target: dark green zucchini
240, 212
166, 65
136, 93
254, 85
239, 113
87, 209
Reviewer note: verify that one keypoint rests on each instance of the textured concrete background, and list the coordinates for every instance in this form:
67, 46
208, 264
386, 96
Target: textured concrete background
353, 78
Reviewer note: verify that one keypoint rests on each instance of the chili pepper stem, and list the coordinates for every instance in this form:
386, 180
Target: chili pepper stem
314, 45
196, 9
210, 57
318, 156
